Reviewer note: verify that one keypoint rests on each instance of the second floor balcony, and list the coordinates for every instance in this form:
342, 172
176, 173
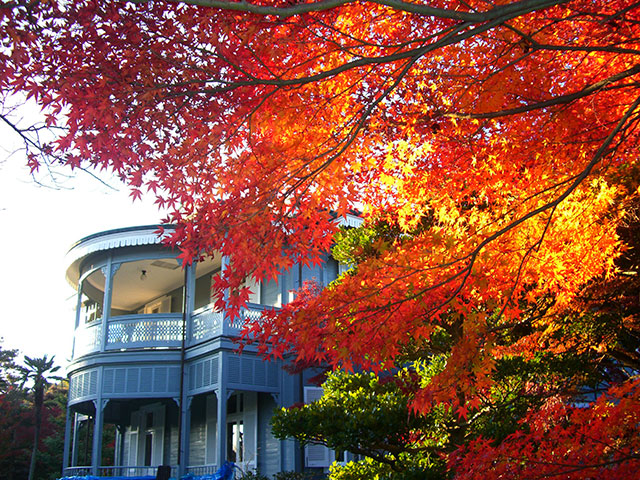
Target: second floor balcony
134, 294
160, 330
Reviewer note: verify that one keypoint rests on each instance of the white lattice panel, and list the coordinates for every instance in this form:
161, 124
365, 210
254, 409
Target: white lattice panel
206, 325
152, 332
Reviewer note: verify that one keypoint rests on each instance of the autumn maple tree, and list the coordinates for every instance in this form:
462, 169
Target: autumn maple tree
490, 146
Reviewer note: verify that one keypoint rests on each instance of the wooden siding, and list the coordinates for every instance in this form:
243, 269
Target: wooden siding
83, 385
150, 380
268, 445
203, 374
198, 435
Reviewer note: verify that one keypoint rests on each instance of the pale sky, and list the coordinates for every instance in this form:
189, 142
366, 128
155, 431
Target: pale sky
37, 227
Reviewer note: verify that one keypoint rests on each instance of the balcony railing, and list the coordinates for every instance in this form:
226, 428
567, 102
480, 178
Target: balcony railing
145, 331
207, 324
160, 330
197, 470
77, 471
87, 338
117, 471
137, 471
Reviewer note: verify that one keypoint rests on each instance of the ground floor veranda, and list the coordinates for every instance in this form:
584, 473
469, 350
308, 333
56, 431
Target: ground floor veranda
132, 437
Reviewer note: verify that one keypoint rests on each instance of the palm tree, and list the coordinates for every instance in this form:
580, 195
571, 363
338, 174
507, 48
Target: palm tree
39, 371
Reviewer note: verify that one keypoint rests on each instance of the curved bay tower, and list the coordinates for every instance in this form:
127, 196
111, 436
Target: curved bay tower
155, 364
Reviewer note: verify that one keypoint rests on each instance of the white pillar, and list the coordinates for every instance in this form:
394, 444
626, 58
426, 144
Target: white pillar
109, 272
96, 448
185, 435
74, 447
221, 426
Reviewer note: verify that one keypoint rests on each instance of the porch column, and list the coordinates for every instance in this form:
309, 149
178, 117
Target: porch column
118, 451
96, 446
221, 426
189, 296
108, 271
185, 434
67, 439
74, 445
183, 401
77, 323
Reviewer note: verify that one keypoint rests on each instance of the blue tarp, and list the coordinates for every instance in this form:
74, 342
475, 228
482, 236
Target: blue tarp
224, 473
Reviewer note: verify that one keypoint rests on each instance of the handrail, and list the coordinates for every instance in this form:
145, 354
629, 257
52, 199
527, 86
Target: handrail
87, 338
202, 469
162, 330
132, 471
157, 330
144, 331
117, 471
206, 323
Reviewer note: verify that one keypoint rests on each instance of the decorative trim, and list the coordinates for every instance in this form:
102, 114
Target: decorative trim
104, 403
350, 221
115, 239
123, 237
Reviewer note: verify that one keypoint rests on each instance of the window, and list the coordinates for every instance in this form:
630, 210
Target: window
235, 404
148, 448
235, 441
92, 295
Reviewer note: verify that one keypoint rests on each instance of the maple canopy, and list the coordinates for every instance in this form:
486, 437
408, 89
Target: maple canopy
492, 148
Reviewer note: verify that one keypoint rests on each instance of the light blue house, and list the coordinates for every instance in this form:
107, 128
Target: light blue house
152, 357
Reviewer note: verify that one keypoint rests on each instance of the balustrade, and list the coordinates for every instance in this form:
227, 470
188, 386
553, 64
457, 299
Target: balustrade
207, 324
198, 470
145, 331
77, 471
161, 330
132, 471
87, 338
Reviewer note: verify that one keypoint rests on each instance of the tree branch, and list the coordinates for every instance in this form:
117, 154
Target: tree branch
521, 7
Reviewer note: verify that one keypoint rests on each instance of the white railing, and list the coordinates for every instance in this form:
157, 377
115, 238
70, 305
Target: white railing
77, 471
132, 471
145, 331
87, 338
161, 330
207, 324
202, 469
117, 471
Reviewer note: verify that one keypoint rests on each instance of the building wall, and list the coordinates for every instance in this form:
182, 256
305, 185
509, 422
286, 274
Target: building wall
144, 374
269, 460
198, 436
